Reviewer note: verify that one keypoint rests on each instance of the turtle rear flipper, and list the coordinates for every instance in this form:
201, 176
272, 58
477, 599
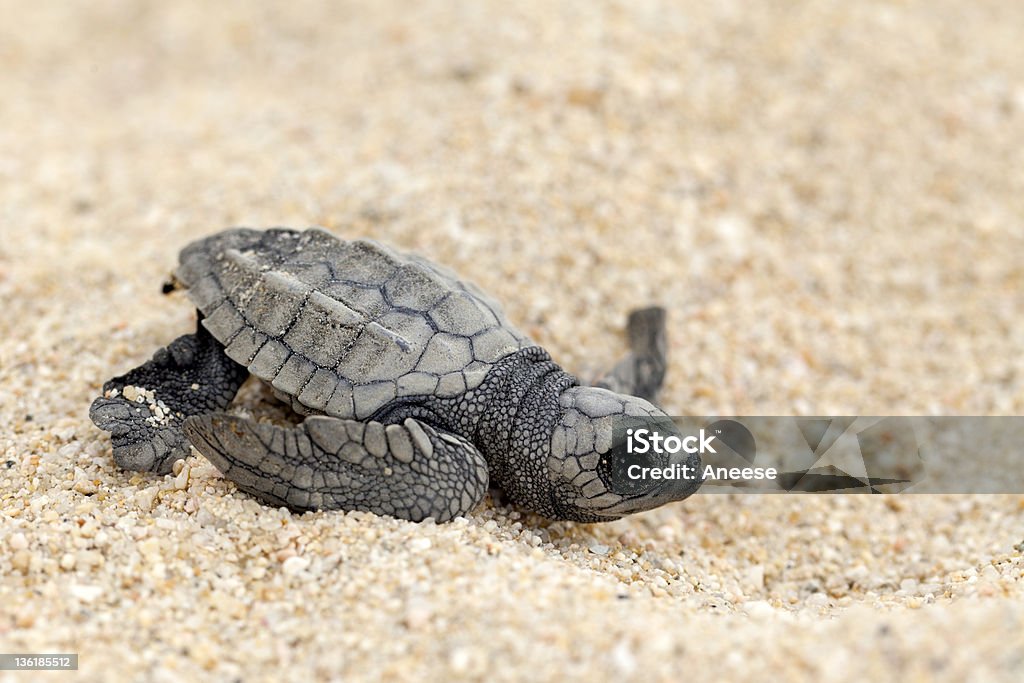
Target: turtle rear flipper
409, 470
144, 409
642, 371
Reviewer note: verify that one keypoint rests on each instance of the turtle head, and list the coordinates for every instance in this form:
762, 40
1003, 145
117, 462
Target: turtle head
613, 455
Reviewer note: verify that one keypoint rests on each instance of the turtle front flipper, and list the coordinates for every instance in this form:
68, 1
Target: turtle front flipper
642, 371
144, 409
409, 470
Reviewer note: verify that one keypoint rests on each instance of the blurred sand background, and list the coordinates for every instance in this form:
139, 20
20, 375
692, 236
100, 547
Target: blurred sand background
828, 197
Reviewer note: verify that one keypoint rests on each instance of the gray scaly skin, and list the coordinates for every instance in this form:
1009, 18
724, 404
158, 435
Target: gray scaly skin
418, 393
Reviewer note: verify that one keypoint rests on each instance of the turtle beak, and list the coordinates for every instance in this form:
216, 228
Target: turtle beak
664, 491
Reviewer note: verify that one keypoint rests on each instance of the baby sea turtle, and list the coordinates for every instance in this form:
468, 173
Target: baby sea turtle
418, 393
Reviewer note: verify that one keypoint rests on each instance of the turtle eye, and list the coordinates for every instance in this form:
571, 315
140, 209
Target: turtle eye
614, 467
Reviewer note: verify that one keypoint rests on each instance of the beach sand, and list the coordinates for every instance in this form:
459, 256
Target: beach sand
828, 197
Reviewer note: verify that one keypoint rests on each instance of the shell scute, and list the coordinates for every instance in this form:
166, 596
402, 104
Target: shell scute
343, 327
